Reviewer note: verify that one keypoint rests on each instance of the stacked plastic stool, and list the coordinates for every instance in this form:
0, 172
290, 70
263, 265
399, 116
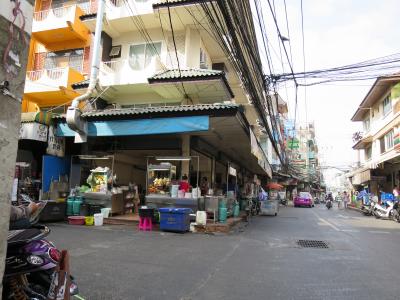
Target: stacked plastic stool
146, 218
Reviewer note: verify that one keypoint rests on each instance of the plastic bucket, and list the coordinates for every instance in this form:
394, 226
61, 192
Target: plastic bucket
106, 212
89, 220
201, 217
98, 219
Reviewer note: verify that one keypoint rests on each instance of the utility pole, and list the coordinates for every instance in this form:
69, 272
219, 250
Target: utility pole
15, 27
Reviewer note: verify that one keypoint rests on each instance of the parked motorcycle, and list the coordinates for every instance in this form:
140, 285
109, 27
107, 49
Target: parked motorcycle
384, 211
284, 202
396, 212
31, 264
368, 210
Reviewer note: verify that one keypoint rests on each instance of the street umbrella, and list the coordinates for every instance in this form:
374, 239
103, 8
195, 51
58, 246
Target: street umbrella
274, 186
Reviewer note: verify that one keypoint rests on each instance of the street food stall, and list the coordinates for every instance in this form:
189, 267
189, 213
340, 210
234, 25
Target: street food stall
101, 191
163, 187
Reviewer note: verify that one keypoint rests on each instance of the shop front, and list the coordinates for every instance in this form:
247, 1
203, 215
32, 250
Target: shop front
194, 157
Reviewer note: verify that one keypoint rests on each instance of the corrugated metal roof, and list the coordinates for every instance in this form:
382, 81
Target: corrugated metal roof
156, 109
159, 109
162, 3
190, 73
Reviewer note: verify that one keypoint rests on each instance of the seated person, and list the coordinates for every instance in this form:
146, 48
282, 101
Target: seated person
20, 215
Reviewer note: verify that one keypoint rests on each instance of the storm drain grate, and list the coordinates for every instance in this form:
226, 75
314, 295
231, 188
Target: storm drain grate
312, 244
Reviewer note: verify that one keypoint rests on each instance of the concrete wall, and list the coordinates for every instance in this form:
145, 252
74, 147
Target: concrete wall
13, 70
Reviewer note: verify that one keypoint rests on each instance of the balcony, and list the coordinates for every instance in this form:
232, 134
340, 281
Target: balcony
122, 72
60, 25
49, 87
119, 15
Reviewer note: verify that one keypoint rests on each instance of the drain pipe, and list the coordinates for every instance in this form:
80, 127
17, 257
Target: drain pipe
74, 118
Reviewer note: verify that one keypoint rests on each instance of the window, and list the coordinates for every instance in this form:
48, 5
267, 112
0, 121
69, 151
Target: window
203, 59
62, 59
366, 124
368, 153
382, 144
387, 105
140, 56
389, 140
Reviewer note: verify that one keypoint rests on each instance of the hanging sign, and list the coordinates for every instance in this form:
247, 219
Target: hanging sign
33, 131
232, 171
56, 145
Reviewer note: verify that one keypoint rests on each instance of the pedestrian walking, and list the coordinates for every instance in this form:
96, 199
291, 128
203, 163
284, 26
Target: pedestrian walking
346, 199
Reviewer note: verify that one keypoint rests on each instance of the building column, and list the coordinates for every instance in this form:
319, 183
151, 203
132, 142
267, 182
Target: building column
185, 152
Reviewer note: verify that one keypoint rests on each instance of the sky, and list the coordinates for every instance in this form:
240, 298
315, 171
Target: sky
336, 32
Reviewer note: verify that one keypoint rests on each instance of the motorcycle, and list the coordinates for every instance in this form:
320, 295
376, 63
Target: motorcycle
328, 204
396, 212
368, 210
383, 211
32, 263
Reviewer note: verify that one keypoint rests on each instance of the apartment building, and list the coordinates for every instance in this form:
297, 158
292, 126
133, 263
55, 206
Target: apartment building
378, 144
167, 85
304, 160
59, 54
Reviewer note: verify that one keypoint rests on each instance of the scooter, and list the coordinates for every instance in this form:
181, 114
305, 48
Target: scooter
31, 265
368, 210
396, 212
328, 204
384, 211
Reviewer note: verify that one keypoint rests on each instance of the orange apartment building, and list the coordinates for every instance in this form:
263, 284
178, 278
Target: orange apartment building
59, 54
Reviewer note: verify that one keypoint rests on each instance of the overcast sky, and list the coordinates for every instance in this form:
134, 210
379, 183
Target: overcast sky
337, 32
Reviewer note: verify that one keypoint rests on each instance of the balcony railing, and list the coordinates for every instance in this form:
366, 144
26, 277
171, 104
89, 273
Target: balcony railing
58, 12
51, 80
53, 74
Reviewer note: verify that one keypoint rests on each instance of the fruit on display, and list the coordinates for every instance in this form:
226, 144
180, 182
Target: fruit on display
159, 182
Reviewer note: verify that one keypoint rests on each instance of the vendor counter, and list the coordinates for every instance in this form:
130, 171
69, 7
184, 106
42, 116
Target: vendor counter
110, 200
166, 201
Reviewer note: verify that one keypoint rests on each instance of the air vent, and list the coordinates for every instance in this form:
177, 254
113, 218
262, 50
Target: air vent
312, 244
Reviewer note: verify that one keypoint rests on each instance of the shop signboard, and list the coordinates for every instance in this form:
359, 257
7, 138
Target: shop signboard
361, 177
293, 143
33, 131
56, 145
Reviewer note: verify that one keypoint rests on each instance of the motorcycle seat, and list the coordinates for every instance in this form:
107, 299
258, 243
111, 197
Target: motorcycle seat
22, 236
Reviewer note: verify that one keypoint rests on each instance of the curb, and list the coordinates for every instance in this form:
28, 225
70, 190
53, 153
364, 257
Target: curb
354, 208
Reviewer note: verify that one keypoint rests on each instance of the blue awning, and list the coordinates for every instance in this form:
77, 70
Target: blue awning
140, 126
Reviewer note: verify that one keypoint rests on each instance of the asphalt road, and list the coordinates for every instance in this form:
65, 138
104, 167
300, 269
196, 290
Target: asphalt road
259, 261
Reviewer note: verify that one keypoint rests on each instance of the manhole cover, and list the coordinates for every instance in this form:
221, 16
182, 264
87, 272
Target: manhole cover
312, 244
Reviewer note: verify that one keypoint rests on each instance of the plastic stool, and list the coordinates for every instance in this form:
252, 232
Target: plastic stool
145, 223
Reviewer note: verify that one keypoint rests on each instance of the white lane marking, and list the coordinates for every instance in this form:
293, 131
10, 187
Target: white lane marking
325, 221
344, 217
377, 231
350, 230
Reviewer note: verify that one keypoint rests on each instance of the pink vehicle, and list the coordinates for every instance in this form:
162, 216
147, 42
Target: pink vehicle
303, 199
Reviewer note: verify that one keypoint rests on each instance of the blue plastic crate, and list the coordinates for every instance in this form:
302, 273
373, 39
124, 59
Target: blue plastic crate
175, 219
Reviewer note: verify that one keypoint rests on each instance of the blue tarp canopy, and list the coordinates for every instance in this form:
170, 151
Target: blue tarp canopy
140, 126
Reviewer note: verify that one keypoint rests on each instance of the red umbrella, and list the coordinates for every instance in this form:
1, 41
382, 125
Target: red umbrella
274, 186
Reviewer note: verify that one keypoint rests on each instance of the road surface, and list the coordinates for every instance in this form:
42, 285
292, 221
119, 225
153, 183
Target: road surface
261, 260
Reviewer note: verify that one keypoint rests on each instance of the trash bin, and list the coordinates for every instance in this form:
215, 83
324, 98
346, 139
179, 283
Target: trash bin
270, 207
175, 219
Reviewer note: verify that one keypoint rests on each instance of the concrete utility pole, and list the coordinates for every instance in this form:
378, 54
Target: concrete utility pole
15, 26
